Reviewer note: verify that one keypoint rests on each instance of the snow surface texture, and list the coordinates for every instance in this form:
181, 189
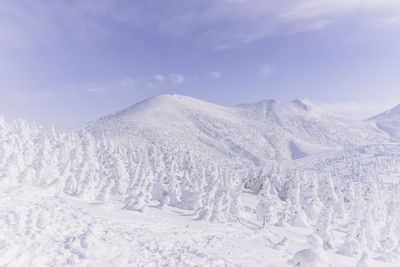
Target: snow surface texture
180, 182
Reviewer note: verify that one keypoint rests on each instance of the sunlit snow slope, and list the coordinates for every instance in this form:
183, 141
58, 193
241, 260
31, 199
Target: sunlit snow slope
389, 121
266, 130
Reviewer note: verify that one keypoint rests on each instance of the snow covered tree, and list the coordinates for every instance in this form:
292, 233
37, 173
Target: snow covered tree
105, 192
268, 205
323, 227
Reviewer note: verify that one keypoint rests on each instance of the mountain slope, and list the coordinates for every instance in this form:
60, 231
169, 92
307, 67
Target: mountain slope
259, 132
388, 121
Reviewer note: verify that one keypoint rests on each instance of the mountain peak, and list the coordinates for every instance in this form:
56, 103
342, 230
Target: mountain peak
167, 98
262, 131
303, 103
166, 103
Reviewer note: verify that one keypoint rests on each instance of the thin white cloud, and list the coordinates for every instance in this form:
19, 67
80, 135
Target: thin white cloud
159, 78
27, 23
127, 83
177, 79
389, 21
94, 88
21, 95
226, 23
152, 85
107, 86
218, 23
173, 79
308, 9
266, 70
215, 74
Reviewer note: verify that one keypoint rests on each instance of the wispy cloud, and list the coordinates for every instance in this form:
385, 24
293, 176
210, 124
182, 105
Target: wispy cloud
23, 96
173, 79
223, 24
107, 86
389, 21
215, 74
265, 70
220, 24
26, 23
159, 78
176, 79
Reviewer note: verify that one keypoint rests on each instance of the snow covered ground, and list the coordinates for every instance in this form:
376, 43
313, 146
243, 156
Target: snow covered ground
42, 228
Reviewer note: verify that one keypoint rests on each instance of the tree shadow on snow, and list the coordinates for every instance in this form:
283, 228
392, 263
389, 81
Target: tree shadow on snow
250, 225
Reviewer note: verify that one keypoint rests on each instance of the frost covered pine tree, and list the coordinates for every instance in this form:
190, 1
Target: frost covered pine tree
297, 215
209, 193
350, 245
235, 193
75, 165
311, 202
268, 204
216, 211
174, 186
199, 184
46, 163
223, 198
120, 175
105, 192
11, 170
323, 227
139, 196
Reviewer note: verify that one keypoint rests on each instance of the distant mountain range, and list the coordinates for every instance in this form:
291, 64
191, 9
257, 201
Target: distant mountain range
259, 132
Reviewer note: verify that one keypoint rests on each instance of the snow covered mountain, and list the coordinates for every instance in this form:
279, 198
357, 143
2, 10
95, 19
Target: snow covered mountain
259, 132
388, 121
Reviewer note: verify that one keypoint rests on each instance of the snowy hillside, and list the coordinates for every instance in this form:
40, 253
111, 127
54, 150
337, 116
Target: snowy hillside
259, 132
389, 121
178, 181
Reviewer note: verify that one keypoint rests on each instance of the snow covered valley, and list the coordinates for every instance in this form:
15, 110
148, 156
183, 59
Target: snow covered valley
175, 181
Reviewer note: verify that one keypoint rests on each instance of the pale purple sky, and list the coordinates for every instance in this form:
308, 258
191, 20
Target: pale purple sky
69, 62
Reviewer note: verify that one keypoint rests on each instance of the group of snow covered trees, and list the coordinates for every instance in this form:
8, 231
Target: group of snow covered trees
138, 175
343, 192
347, 195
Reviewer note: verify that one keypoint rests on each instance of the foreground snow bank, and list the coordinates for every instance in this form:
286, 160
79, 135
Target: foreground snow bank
40, 228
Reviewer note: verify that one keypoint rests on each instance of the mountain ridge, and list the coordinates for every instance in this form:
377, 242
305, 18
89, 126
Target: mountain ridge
388, 121
258, 132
